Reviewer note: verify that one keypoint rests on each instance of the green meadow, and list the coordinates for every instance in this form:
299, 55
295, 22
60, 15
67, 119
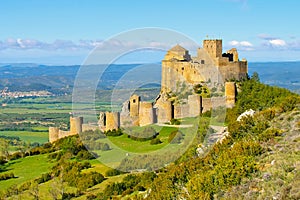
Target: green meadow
25, 169
28, 136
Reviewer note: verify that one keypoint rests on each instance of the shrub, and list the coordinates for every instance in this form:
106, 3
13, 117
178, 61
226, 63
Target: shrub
175, 137
6, 176
148, 133
44, 178
88, 180
114, 132
16, 156
155, 141
2, 160
113, 172
85, 155
175, 122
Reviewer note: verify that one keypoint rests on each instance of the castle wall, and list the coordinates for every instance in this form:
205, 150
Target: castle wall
146, 113
62, 134
181, 111
53, 134
87, 127
234, 70
214, 102
206, 104
112, 120
230, 94
164, 111
195, 105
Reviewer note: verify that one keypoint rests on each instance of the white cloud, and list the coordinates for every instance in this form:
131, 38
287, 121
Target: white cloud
277, 42
273, 42
241, 45
246, 44
28, 44
234, 43
105, 45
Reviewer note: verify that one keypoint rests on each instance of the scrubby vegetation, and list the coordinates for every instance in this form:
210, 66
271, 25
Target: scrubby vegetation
257, 159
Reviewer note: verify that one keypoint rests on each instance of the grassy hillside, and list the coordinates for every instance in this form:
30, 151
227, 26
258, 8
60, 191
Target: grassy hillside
258, 159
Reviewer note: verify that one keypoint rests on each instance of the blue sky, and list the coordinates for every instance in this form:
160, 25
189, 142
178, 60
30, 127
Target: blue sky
65, 31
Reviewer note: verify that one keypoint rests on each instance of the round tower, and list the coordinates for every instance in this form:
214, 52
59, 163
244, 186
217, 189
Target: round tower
53, 134
112, 120
76, 125
146, 114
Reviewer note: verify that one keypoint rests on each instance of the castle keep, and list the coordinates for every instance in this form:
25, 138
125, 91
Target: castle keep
185, 82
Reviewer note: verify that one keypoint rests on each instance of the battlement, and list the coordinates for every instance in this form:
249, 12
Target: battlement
178, 69
213, 47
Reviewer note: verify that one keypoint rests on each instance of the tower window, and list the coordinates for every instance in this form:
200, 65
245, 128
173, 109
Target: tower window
202, 61
133, 101
182, 68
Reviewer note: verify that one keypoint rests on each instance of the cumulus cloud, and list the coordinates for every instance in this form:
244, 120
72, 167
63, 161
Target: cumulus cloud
277, 42
273, 42
242, 45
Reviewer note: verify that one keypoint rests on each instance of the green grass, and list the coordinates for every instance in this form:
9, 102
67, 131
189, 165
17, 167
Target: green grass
26, 169
142, 147
27, 136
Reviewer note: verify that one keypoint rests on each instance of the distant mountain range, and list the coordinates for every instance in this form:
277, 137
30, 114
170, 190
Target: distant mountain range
60, 79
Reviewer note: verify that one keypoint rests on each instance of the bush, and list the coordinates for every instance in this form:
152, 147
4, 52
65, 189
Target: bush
175, 137
2, 160
269, 134
88, 180
175, 122
44, 178
148, 133
155, 141
113, 172
16, 156
6, 176
85, 155
114, 132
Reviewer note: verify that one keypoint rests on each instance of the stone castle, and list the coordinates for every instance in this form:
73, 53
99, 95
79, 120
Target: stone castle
180, 73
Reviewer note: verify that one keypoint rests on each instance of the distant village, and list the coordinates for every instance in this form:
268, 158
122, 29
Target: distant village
5, 93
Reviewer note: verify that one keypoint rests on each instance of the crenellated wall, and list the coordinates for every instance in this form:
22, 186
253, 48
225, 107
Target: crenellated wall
178, 69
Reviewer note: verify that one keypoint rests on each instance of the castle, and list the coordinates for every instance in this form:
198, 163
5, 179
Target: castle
181, 73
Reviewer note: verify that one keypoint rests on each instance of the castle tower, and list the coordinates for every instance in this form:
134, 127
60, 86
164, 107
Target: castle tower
146, 113
213, 47
76, 125
53, 134
234, 53
112, 120
230, 93
134, 103
102, 120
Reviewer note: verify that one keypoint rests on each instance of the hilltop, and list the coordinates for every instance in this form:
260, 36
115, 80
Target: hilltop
258, 159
